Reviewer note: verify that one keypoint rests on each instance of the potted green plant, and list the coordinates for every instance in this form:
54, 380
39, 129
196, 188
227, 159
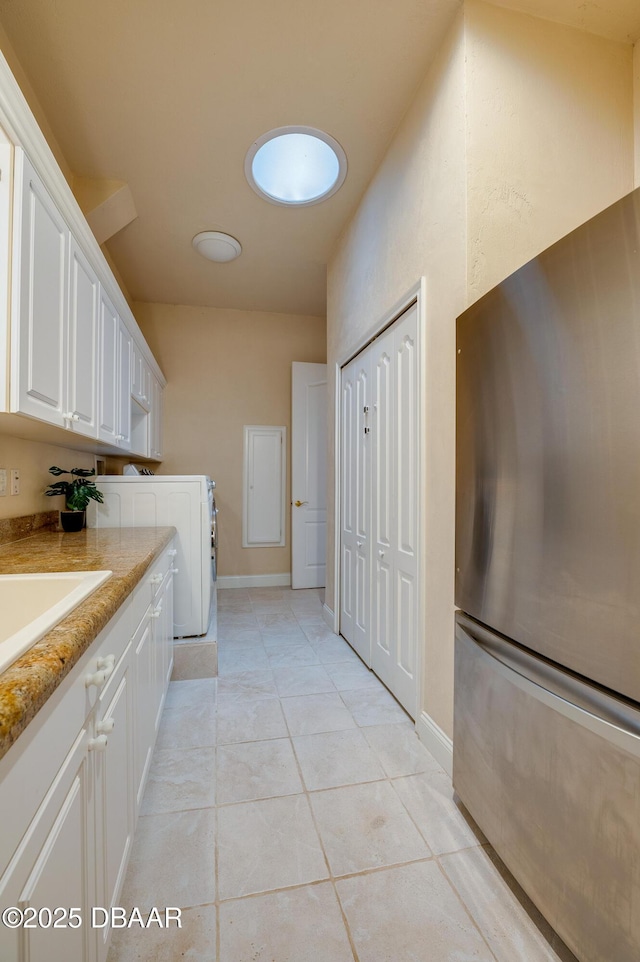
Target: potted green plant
77, 493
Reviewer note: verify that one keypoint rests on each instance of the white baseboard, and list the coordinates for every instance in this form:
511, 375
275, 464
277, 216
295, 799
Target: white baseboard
328, 616
255, 581
436, 741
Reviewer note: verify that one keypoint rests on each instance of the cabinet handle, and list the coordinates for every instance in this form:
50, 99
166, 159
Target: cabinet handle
155, 579
105, 727
174, 571
156, 612
119, 437
172, 552
98, 679
98, 744
105, 668
70, 416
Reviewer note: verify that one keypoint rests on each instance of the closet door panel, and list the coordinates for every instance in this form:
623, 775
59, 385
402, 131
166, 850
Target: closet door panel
406, 436
347, 504
355, 616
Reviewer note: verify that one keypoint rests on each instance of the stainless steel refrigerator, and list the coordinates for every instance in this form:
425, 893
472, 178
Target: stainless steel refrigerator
547, 677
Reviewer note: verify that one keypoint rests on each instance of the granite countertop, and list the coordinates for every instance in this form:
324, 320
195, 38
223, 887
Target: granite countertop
127, 552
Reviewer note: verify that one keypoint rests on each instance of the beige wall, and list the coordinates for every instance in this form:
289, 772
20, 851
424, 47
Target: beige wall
34, 104
33, 459
549, 135
636, 112
522, 130
410, 223
226, 369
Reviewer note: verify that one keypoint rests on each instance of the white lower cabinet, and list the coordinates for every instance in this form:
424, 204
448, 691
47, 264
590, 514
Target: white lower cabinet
49, 870
71, 786
114, 783
145, 722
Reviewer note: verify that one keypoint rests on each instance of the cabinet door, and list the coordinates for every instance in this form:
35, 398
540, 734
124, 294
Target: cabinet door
144, 699
140, 377
125, 342
39, 310
54, 867
168, 634
163, 641
108, 380
82, 344
115, 797
137, 389
156, 415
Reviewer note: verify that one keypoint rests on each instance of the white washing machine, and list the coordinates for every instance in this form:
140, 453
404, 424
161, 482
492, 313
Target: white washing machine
185, 501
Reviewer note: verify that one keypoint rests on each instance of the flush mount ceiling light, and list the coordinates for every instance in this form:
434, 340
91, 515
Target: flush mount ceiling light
295, 166
216, 246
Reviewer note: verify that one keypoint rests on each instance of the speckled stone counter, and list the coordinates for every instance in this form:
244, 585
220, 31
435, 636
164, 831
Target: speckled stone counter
128, 552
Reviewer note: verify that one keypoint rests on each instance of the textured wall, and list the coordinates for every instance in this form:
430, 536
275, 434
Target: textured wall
522, 130
636, 112
411, 223
549, 135
226, 369
33, 459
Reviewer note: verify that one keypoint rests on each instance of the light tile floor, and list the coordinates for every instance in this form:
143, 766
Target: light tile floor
294, 816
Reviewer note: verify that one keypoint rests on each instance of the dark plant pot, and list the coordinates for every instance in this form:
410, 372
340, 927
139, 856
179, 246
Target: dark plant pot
72, 520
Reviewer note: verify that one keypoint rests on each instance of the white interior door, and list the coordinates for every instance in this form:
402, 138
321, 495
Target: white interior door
308, 475
379, 506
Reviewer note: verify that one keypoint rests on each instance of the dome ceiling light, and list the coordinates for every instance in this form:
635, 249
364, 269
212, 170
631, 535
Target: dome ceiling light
216, 246
295, 166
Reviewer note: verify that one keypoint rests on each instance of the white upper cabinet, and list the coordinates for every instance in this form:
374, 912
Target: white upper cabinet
140, 377
77, 358
123, 375
156, 418
108, 379
39, 300
84, 293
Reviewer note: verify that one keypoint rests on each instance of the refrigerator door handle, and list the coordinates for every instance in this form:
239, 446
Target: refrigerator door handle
567, 693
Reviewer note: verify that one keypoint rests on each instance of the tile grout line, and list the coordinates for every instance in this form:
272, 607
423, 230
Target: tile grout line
467, 910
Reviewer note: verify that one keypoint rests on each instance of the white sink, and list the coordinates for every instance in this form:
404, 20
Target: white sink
32, 604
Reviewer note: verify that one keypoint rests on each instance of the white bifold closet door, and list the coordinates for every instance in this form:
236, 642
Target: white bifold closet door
355, 488
379, 467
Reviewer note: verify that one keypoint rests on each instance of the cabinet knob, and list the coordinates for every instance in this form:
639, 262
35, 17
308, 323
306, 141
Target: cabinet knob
119, 437
172, 552
98, 679
98, 744
155, 579
381, 554
156, 612
105, 727
358, 544
105, 668
175, 571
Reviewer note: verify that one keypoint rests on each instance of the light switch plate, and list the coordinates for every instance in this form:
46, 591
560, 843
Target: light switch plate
15, 481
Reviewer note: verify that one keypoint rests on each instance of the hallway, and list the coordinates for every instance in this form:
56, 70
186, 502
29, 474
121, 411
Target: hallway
294, 816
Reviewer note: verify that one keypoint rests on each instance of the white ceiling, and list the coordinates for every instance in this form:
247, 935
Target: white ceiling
168, 98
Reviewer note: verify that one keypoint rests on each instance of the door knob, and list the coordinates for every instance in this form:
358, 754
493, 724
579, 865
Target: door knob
299, 504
